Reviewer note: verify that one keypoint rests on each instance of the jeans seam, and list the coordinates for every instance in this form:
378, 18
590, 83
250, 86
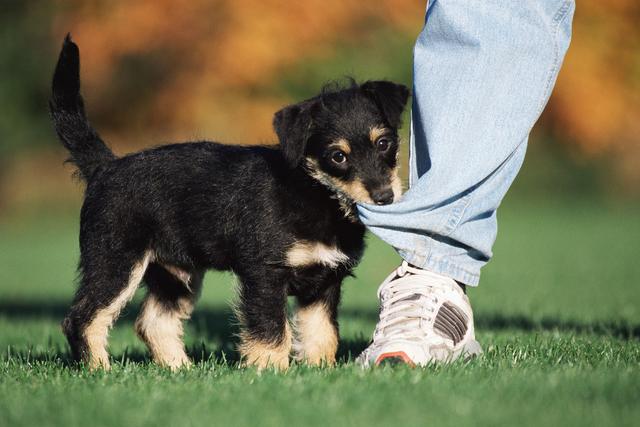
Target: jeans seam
429, 257
442, 261
457, 214
421, 246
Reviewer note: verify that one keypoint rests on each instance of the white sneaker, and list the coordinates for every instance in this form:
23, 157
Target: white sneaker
424, 317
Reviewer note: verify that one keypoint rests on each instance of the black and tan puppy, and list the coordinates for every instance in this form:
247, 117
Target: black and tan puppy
281, 218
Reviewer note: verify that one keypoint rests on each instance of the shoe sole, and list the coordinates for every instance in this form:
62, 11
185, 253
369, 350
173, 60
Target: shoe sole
394, 358
471, 350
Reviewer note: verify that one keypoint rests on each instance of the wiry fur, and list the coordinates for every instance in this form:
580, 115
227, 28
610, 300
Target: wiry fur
317, 334
167, 214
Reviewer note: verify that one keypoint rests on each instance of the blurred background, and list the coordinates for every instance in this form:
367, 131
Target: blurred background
557, 311
159, 71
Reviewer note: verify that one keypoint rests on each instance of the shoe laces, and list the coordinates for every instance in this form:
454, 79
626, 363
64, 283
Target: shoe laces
409, 299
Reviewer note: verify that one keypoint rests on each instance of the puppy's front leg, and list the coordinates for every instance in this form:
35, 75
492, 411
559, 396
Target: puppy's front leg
266, 335
317, 328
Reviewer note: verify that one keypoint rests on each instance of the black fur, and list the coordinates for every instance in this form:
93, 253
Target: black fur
390, 97
88, 151
204, 205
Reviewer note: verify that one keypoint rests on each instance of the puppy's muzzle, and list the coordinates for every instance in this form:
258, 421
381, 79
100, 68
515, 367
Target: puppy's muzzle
382, 196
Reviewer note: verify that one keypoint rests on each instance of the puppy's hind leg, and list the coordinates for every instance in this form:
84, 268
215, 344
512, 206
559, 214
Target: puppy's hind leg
105, 287
172, 295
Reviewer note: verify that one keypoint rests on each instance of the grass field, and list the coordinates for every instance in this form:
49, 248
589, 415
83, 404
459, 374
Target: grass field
557, 312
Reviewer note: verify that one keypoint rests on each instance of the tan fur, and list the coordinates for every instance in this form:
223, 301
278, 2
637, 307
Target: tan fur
316, 337
304, 253
347, 193
342, 144
355, 189
376, 132
97, 332
160, 327
396, 185
264, 354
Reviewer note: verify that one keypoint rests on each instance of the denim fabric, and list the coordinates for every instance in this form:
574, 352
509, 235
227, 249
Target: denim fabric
483, 72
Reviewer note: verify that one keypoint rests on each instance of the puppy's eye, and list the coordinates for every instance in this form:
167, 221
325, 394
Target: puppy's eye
383, 144
338, 157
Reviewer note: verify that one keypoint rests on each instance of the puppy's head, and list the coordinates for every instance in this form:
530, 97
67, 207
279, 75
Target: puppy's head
347, 139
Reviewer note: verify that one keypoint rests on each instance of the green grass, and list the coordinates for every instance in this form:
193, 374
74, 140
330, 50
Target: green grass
558, 314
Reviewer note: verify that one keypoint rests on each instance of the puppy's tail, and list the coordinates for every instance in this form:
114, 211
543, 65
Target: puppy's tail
88, 151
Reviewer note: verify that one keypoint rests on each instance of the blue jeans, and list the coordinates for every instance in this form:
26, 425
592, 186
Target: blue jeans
483, 73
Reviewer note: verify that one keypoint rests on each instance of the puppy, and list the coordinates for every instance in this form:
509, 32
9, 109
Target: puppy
283, 219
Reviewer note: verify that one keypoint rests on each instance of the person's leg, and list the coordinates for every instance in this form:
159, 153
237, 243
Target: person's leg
483, 72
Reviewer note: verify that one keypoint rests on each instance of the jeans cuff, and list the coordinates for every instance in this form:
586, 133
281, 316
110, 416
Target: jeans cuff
441, 266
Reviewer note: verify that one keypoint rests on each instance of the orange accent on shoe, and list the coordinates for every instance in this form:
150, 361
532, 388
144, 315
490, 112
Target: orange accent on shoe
396, 355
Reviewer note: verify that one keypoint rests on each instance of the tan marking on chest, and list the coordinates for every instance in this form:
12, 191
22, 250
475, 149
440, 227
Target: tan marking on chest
305, 253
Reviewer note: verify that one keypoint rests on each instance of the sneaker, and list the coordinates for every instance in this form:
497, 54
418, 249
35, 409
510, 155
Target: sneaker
424, 317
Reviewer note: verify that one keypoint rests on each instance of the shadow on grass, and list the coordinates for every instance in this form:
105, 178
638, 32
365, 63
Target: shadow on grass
497, 322
210, 324
217, 324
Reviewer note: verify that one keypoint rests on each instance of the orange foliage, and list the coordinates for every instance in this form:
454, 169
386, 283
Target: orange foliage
596, 103
225, 49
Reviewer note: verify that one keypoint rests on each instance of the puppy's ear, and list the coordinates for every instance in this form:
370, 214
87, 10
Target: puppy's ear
293, 127
390, 97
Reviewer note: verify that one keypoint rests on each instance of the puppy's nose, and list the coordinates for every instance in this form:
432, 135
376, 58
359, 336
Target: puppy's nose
383, 196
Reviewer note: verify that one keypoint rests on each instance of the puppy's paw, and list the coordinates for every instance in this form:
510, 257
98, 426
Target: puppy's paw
179, 361
316, 354
264, 355
99, 362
